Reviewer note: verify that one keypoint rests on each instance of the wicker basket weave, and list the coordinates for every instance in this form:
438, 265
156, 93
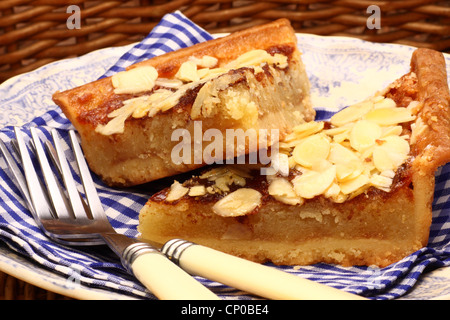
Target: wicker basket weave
36, 32
12, 288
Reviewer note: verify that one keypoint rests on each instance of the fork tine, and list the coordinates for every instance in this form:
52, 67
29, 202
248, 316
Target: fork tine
39, 200
94, 203
69, 182
24, 187
54, 157
18, 176
57, 197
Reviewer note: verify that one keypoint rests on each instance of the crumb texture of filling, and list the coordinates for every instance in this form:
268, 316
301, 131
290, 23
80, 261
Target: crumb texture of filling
364, 145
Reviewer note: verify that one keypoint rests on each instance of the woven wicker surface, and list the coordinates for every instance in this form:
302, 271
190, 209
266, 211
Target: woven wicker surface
12, 288
34, 33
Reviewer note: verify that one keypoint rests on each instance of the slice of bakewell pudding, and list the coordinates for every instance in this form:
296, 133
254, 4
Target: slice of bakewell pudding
130, 123
358, 190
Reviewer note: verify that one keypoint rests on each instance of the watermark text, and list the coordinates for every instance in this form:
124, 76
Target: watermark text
74, 20
374, 20
236, 147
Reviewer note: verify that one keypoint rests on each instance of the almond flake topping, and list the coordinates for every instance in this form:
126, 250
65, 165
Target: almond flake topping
238, 203
363, 148
338, 163
134, 80
192, 73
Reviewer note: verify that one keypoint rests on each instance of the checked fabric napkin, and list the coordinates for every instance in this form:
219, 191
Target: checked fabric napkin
99, 268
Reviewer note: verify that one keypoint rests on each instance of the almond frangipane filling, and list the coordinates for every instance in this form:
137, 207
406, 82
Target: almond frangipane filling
360, 147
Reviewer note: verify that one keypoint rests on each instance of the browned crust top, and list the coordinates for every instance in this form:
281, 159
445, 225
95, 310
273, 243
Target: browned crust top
433, 147
89, 100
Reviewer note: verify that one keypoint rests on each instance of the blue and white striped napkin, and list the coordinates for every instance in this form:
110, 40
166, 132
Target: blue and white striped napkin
99, 268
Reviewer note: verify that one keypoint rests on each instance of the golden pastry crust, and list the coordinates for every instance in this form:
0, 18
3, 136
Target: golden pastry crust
433, 125
373, 225
142, 151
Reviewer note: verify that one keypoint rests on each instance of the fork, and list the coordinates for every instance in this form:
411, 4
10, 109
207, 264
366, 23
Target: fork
74, 228
65, 220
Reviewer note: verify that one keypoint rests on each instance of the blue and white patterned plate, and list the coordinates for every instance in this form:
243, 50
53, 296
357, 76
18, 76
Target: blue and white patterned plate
341, 70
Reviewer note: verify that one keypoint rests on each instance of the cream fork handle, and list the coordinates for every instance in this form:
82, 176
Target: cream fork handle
166, 280
155, 271
248, 276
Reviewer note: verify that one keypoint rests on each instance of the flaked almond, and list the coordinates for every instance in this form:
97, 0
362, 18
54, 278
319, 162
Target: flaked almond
364, 134
388, 173
335, 194
256, 58
205, 61
392, 131
176, 192
338, 130
188, 72
414, 107
223, 183
332, 191
149, 105
351, 113
390, 153
381, 182
340, 154
197, 191
307, 129
384, 103
321, 165
207, 73
117, 123
238, 203
282, 190
342, 137
312, 183
390, 116
401, 154
354, 184
382, 160
348, 170
202, 95
348, 164
169, 83
311, 150
134, 80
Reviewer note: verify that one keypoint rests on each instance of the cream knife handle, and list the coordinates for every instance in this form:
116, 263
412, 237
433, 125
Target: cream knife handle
248, 276
164, 278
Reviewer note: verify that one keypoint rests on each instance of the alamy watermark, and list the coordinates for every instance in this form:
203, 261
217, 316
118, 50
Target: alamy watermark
74, 279
374, 20
74, 20
207, 147
375, 278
